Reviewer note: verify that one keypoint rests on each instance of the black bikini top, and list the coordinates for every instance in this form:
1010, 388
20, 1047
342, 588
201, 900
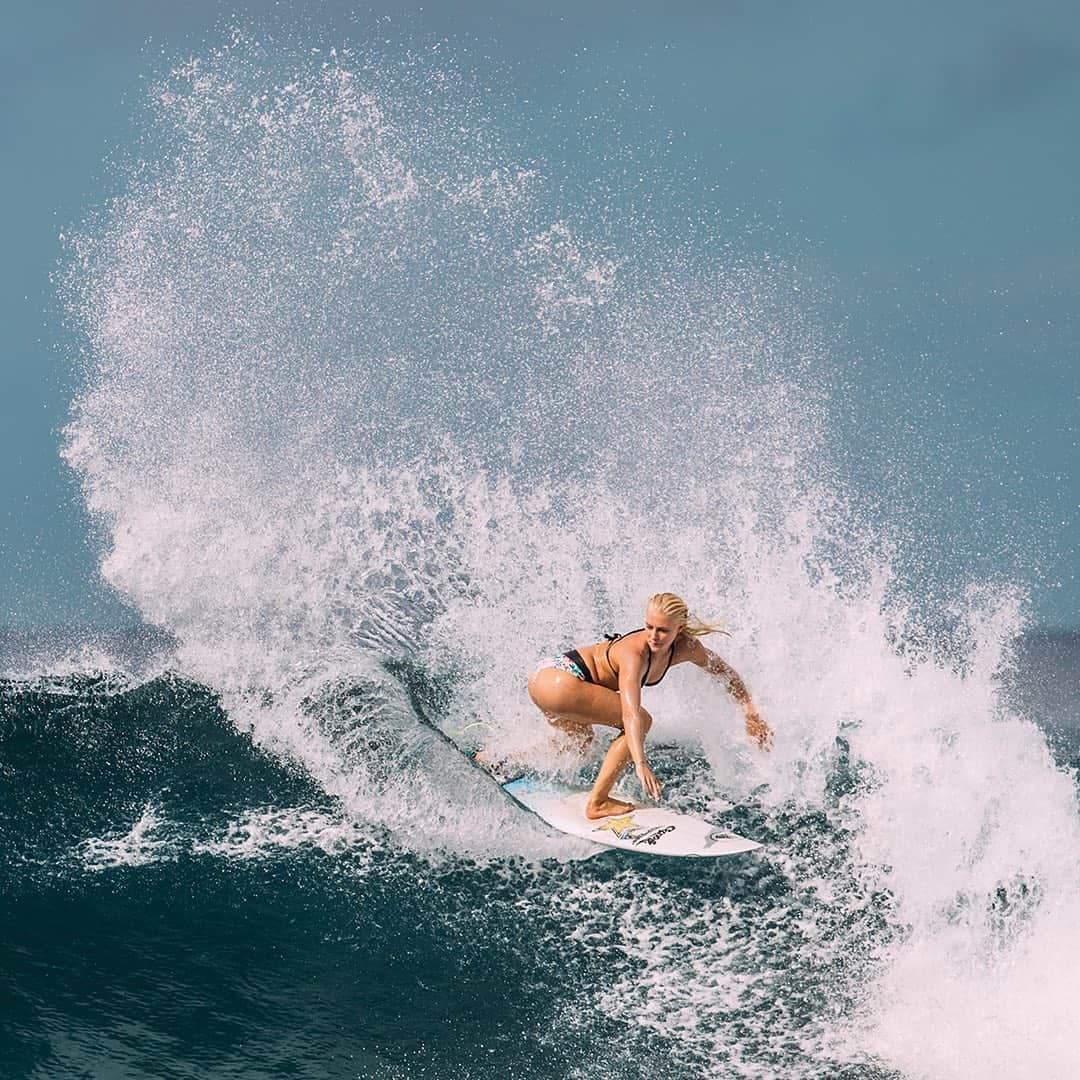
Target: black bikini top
612, 638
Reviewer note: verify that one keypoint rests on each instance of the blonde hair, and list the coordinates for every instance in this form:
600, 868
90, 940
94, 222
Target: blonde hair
675, 606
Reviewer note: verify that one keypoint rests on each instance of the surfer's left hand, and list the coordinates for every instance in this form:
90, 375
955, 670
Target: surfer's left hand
652, 786
756, 728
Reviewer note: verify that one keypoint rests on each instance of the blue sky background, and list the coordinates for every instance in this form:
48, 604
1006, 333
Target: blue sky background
922, 158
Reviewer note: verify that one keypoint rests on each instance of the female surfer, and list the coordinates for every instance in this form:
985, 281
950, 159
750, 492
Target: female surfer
601, 684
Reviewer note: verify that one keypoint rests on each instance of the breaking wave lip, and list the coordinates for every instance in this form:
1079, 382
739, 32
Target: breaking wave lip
360, 391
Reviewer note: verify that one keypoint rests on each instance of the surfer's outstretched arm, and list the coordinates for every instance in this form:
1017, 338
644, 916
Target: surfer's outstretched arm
756, 728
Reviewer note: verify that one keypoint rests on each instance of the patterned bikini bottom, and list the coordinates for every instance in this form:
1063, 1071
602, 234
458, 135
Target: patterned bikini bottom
569, 661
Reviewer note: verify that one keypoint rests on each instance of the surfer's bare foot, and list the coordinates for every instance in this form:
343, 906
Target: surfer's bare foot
499, 770
607, 808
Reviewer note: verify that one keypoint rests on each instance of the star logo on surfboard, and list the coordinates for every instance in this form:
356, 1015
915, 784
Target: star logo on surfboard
622, 827
626, 828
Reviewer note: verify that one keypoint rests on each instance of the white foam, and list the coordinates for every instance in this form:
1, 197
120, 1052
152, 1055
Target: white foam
272, 830
256, 834
148, 840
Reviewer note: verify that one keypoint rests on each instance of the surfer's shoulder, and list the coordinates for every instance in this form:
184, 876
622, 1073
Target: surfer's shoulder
690, 650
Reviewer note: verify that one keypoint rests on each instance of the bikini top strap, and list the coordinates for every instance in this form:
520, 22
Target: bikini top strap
610, 639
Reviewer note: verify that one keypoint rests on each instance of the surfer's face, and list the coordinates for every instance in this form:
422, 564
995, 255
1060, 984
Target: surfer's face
660, 629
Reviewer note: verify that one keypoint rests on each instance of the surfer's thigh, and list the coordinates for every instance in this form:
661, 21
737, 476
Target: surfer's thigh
562, 696
597, 705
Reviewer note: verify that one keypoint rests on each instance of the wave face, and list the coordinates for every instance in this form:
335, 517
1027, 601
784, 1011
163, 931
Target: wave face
377, 410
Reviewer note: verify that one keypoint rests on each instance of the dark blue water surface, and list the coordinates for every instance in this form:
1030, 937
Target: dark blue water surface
360, 960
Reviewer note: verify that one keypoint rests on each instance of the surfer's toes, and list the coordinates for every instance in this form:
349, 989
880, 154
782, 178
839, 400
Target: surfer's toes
608, 808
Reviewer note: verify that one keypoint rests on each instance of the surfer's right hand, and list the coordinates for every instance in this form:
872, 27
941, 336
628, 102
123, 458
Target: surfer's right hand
756, 728
652, 786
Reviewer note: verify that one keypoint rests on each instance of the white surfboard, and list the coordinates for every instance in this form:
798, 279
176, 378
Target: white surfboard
654, 830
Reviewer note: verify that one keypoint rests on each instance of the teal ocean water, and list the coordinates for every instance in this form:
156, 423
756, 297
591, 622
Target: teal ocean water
383, 393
